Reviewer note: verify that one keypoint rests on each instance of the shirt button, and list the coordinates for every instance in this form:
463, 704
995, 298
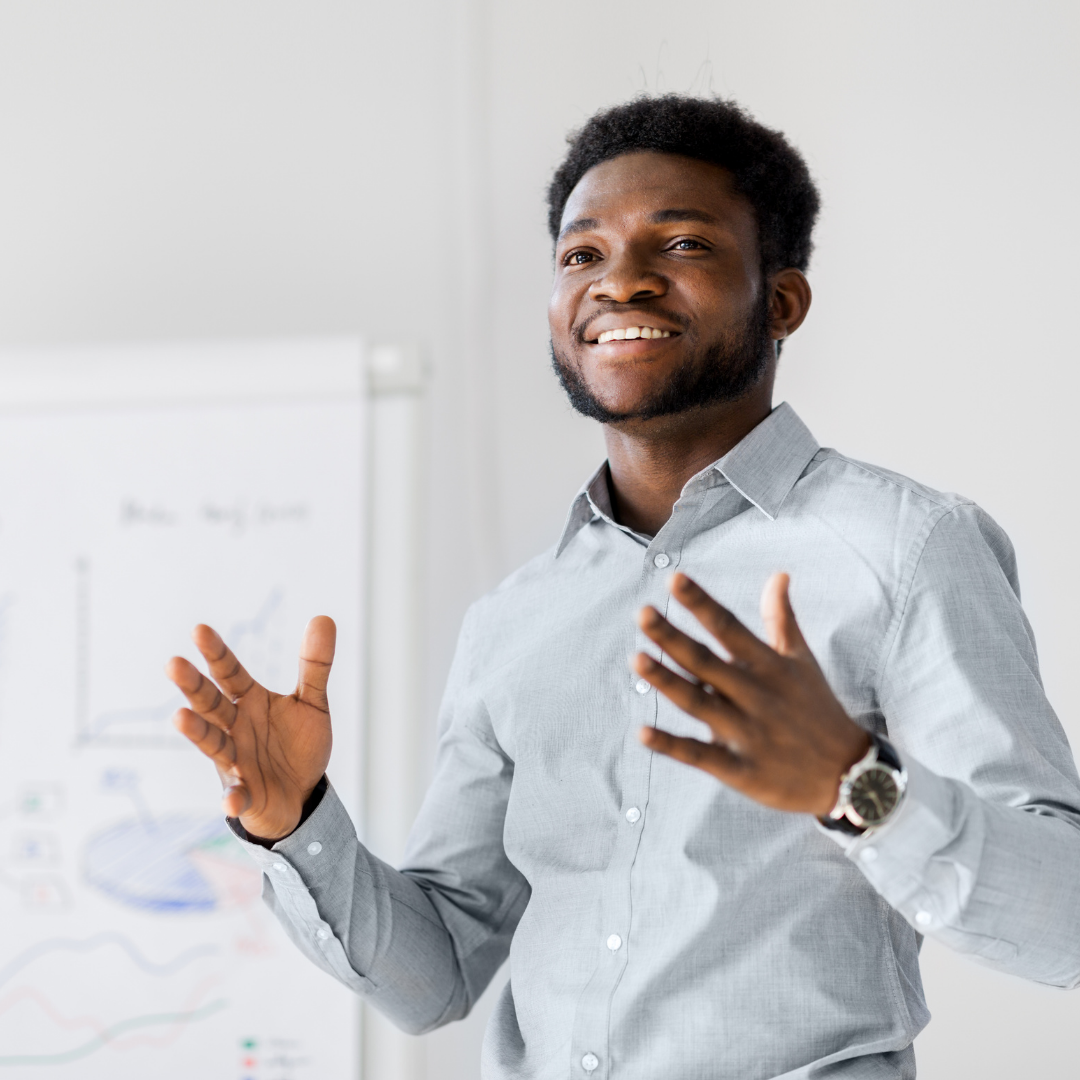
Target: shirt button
314, 848
590, 1062
614, 942
322, 934
868, 854
923, 918
633, 815
281, 868
642, 686
660, 560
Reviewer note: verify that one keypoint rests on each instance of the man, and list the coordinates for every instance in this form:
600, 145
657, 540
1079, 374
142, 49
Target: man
884, 768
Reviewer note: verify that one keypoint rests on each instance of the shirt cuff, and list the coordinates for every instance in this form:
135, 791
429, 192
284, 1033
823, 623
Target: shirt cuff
894, 858
298, 883
310, 804
326, 827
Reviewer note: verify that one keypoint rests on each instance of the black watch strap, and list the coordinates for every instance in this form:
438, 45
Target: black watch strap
886, 752
842, 825
887, 755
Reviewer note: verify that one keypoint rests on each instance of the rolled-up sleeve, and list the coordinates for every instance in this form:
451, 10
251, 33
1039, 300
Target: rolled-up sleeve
985, 852
421, 943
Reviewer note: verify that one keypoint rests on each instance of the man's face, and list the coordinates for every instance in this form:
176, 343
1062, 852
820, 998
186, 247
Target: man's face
657, 244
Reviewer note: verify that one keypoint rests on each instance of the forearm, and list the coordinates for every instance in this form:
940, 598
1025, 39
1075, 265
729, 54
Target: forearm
370, 926
998, 882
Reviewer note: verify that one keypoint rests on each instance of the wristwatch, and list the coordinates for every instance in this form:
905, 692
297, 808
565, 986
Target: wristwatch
871, 791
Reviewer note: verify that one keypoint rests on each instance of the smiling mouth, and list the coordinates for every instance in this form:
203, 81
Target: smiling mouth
632, 333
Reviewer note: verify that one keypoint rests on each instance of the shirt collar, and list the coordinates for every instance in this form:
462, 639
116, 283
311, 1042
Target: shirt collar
763, 468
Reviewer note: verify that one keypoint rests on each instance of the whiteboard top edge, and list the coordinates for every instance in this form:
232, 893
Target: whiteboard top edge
181, 372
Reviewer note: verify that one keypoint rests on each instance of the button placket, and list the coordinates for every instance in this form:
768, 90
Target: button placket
592, 1019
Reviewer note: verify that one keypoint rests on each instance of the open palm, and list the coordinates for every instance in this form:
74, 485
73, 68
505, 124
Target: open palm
270, 749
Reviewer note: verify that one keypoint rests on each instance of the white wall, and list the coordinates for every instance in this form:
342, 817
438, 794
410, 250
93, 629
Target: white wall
267, 168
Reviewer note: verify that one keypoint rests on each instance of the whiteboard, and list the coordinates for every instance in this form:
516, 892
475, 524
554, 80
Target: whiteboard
143, 490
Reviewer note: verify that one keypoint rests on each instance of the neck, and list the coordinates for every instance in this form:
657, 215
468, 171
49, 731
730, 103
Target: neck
650, 461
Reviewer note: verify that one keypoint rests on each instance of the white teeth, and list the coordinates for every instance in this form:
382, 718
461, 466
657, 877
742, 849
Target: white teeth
629, 333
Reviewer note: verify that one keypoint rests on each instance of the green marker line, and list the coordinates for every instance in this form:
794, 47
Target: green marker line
113, 1032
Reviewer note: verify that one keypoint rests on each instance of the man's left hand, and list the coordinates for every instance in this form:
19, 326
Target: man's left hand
780, 736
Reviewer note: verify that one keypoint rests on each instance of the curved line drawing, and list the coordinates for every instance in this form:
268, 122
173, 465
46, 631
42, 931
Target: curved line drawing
100, 1027
30, 993
112, 1032
42, 948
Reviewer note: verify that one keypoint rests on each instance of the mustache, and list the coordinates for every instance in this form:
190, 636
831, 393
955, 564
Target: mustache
578, 333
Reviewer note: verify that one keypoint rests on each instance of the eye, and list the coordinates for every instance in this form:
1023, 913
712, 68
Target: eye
578, 258
687, 245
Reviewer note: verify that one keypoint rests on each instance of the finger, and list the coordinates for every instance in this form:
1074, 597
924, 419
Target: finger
316, 656
235, 794
235, 799
227, 671
697, 658
742, 643
779, 618
713, 758
203, 696
216, 744
727, 722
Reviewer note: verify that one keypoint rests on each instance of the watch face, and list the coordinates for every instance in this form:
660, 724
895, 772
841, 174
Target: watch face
874, 796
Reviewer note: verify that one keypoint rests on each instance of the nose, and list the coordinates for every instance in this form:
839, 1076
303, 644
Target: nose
627, 278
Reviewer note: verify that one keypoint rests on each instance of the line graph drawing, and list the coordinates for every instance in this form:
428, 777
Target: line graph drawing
110, 1034
100, 941
149, 725
39, 1030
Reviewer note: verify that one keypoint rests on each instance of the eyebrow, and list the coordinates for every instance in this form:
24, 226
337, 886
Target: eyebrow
662, 217
582, 224
659, 217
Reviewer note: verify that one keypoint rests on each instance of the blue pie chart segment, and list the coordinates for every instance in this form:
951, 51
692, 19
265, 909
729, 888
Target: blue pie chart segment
148, 864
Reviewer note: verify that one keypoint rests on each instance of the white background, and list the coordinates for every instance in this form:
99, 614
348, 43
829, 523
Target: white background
263, 168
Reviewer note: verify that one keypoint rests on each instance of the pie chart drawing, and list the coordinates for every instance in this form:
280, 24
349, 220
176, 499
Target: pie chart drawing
173, 864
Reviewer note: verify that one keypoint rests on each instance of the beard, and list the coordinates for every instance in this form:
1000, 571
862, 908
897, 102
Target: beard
720, 371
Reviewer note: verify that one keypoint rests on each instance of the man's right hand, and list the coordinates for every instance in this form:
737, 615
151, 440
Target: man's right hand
270, 749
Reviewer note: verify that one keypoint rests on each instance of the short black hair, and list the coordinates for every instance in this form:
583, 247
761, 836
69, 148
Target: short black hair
767, 170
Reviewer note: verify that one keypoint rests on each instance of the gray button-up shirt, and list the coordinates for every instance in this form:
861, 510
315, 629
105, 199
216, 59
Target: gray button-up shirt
658, 923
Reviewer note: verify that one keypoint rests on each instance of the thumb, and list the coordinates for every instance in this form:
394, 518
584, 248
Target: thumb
779, 617
316, 656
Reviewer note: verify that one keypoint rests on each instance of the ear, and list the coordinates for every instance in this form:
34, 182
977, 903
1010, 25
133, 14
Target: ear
791, 297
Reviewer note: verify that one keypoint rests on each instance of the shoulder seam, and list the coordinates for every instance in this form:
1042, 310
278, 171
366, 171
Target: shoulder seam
939, 499
907, 583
